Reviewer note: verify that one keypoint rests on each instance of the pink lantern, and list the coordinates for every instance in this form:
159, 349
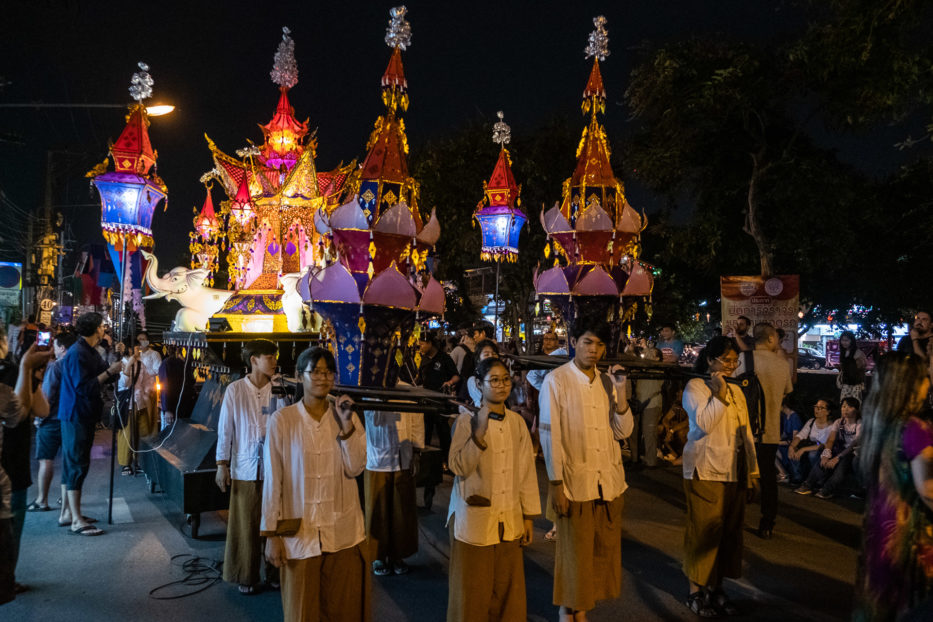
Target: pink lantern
242, 208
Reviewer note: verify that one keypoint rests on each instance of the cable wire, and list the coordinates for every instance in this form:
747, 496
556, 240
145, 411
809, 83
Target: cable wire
200, 573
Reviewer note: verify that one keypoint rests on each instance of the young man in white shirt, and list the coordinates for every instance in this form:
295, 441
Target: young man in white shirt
584, 413
389, 484
311, 511
241, 431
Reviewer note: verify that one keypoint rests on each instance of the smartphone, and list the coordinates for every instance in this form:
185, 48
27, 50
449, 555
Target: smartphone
43, 340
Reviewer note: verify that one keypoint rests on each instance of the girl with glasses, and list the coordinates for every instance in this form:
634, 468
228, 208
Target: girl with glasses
492, 503
720, 475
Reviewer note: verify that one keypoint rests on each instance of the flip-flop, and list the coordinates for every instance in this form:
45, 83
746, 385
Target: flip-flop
551, 536
87, 530
248, 590
35, 507
87, 519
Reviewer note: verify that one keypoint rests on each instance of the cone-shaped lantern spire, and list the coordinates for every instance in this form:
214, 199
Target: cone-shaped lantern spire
284, 133
384, 177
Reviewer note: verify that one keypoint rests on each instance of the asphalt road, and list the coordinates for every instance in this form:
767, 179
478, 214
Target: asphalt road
804, 573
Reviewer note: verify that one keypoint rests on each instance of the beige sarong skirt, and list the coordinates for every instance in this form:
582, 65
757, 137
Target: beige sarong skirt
332, 587
588, 563
713, 538
391, 514
486, 583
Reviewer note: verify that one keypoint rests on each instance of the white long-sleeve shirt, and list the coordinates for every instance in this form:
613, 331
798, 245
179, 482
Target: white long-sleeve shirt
718, 434
503, 474
391, 439
241, 429
536, 376
579, 435
310, 476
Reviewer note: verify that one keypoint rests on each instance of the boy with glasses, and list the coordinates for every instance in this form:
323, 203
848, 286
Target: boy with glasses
241, 431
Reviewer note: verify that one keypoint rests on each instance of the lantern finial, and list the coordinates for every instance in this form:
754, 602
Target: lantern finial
141, 83
598, 44
501, 132
398, 34
285, 69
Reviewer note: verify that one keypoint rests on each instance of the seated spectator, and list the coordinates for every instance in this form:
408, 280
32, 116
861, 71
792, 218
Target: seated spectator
836, 458
809, 442
790, 425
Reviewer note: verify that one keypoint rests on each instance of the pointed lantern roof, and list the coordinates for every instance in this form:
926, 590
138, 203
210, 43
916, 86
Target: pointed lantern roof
502, 189
133, 152
386, 160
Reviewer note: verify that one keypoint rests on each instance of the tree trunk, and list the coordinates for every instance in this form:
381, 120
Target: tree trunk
752, 225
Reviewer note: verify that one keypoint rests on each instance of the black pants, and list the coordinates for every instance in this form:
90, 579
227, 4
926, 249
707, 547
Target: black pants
439, 423
769, 488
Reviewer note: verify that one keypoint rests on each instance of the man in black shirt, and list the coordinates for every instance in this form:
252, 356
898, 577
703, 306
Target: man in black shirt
437, 372
919, 338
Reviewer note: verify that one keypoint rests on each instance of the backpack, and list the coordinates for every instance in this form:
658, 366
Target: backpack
754, 395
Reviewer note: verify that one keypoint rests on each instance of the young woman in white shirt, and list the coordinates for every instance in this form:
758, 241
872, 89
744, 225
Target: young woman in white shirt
492, 503
720, 475
809, 443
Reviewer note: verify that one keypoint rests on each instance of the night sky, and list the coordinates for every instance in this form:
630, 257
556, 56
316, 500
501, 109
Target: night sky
212, 60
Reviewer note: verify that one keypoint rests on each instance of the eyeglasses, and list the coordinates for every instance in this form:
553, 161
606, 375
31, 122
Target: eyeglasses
820, 408
729, 362
320, 373
499, 382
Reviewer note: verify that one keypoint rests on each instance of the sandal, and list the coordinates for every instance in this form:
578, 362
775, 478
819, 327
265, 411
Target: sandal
87, 519
247, 590
697, 603
87, 530
551, 536
723, 604
35, 507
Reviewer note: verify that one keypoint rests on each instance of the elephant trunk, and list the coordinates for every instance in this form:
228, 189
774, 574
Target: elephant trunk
158, 286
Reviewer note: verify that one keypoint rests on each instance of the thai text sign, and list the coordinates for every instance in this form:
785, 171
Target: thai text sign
772, 299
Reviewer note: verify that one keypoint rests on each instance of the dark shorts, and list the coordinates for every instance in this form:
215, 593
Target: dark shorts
77, 439
48, 440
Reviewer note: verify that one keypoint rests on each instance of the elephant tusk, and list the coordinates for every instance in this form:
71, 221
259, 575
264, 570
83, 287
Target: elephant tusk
155, 296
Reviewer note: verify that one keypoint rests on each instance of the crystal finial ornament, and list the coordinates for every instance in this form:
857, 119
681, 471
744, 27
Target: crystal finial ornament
598, 44
398, 34
141, 83
284, 68
501, 132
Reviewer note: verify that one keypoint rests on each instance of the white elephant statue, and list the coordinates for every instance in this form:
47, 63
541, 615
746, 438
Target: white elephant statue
186, 285
297, 314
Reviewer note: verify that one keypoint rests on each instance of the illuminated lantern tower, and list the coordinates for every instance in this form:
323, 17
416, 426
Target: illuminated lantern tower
273, 193
130, 192
594, 233
377, 284
499, 217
